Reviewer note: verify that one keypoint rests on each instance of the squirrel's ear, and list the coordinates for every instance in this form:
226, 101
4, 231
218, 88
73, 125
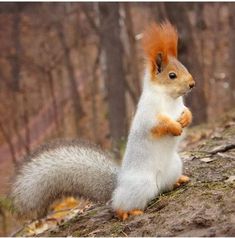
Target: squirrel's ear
159, 62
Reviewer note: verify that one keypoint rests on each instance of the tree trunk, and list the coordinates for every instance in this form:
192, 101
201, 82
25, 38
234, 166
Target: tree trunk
78, 110
26, 120
113, 52
15, 61
54, 102
232, 52
133, 63
9, 143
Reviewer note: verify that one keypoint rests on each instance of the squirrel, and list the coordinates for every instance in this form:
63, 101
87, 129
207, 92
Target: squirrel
151, 164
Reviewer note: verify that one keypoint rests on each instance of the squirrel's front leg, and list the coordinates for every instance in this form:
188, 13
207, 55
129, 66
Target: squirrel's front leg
166, 126
185, 118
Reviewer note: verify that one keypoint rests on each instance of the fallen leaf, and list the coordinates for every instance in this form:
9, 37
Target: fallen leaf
207, 159
62, 212
66, 203
40, 226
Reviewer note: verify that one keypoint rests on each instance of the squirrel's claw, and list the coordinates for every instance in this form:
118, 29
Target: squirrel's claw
182, 180
176, 129
123, 215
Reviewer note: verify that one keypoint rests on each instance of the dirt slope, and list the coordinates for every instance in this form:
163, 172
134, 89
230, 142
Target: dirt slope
204, 207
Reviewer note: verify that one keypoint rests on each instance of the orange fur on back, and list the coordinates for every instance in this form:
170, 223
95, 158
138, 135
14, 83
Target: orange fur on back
160, 38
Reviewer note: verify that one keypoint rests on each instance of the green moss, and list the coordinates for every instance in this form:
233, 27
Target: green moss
92, 213
199, 154
116, 229
6, 204
213, 185
78, 233
65, 225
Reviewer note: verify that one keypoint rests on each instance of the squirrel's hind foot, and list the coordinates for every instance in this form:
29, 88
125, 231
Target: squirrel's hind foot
123, 215
182, 180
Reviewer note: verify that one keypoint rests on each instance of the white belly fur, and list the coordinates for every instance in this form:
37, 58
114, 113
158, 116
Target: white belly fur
150, 166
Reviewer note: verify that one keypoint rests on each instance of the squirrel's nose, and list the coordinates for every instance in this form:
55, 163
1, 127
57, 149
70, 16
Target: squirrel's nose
191, 85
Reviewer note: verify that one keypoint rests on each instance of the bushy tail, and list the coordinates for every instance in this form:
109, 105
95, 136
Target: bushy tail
63, 168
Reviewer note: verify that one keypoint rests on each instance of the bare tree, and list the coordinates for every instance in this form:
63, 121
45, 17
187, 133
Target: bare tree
16, 67
232, 51
16, 39
25, 105
9, 142
132, 68
78, 110
115, 83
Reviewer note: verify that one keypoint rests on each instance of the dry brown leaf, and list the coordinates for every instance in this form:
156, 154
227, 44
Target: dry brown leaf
207, 159
40, 226
62, 212
66, 203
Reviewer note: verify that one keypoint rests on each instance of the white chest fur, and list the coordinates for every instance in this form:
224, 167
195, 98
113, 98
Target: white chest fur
145, 154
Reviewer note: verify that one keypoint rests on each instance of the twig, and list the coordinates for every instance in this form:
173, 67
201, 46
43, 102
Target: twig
124, 234
15, 233
222, 148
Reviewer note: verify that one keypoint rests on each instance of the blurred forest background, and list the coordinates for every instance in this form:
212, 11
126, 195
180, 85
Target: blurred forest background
75, 70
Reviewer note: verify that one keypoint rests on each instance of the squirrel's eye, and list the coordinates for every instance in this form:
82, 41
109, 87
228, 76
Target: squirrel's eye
172, 75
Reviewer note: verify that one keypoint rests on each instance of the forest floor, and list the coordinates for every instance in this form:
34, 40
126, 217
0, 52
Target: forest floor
203, 207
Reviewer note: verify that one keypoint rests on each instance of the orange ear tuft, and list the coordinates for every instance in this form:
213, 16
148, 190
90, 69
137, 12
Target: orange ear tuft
160, 39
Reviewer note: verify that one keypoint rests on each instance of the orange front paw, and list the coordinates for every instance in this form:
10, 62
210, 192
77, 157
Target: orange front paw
176, 129
166, 126
185, 118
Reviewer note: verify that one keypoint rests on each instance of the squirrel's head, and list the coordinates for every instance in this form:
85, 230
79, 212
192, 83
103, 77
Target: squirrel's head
166, 72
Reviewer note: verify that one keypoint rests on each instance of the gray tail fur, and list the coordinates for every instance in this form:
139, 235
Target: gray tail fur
63, 168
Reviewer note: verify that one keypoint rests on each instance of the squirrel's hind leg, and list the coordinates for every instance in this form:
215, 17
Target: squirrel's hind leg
132, 194
171, 175
181, 179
